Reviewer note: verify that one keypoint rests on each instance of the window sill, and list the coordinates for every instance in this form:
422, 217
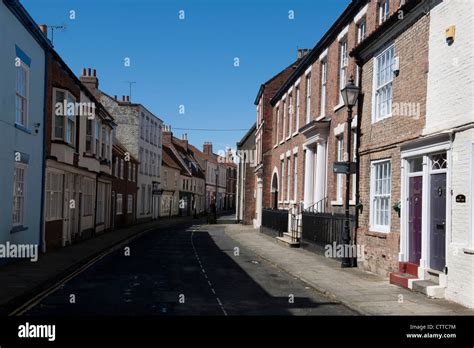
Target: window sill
379, 230
336, 203
374, 121
22, 128
377, 234
468, 251
19, 228
338, 106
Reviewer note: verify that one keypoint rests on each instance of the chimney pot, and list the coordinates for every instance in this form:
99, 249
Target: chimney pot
88, 71
83, 71
128, 99
94, 73
123, 98
115, 97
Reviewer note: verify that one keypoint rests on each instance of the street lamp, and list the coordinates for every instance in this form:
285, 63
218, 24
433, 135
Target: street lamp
350, 94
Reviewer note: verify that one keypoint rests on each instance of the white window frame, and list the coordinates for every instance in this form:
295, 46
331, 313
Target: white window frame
277, 125
308, 98
361, 29
88, 197
130, 203
284, 120
290, 115
53, 196
69, 97
297, 95
282, 165
339, 158
288, 178
374, 226
324, 81
22, 196
343, 65
385, 86
23, 121
295, 176
97, 136
119, 207
384, 10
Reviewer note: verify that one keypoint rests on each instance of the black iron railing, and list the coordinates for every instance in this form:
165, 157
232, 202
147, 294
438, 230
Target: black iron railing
276, 220
318, 207
323, 228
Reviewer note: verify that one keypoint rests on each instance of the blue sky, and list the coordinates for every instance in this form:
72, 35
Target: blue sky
187, 62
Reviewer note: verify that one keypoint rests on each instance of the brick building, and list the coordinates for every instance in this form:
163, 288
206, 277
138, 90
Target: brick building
171, 170
262, 158
124, 186
231, 181
246, 190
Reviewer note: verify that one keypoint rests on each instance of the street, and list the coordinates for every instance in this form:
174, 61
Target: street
185, 270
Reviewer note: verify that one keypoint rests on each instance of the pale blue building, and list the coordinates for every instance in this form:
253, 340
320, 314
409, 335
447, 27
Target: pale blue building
22, 110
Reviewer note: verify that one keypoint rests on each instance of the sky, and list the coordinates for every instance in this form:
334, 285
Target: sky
188, 61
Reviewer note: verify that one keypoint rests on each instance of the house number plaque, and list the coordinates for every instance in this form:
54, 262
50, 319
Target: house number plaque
460, 199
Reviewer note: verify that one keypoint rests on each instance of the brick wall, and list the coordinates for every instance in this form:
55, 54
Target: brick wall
382, 140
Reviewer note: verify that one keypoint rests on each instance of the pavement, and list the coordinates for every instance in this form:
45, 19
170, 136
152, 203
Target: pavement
364, 292
186, 269
23, 279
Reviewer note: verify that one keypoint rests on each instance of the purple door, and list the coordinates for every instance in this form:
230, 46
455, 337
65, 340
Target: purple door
438, 222
414, 218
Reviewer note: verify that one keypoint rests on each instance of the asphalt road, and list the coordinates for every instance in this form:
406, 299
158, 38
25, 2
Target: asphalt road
185, 270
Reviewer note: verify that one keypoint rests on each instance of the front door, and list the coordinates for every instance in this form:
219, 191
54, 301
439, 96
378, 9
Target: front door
414, 218
438, 221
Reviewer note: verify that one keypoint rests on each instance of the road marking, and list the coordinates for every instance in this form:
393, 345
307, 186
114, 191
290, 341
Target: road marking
205, 275
42, 295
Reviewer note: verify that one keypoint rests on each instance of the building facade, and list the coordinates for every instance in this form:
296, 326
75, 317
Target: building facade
246, 191
140, 131
124, 186
171, 171
22, 87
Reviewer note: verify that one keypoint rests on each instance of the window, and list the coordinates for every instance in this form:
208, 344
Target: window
64, 116
290, 114
343, 63
295, 177
297, 123
70, 120
130, 204
97, 137
380, 196
119, 204
288, 179
22, 90
88, 197
19, 191
324, 80
361, 30
384, 10
149, 199
308, 98
142, 128
104, 145
354, 159
143, 200
141, 159
54, 196
340, 158
129, 167
282, 181
165, 178
89, 136
147, 128
284, 121
100, 203
121, 169
277, 133
383, 84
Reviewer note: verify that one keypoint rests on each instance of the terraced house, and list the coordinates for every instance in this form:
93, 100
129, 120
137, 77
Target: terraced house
139, 130
22, 118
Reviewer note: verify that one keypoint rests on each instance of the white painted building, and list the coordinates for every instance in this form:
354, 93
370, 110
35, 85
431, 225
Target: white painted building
442, 161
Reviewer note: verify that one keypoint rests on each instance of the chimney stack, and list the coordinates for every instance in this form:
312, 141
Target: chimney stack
303, 52
44, 29
89, 78
167, 134
207, 148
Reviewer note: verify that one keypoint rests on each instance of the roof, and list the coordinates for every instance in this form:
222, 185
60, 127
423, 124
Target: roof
121, 149
188, 158
169, 159
325, 41
247, 135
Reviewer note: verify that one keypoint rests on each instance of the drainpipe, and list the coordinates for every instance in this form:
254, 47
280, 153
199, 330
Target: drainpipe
43, 171
360, 103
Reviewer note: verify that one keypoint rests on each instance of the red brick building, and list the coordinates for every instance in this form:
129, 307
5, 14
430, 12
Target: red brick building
124, 186
246, 189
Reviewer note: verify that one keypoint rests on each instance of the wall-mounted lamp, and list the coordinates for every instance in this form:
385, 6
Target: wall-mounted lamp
396, 66
450, 34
